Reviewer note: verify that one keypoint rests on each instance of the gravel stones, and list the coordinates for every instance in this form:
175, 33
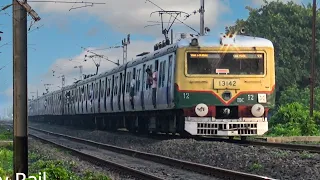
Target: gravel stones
269, 162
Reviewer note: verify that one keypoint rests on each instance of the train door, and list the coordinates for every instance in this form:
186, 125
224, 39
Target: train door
143, 85
169, 81
120, 91
111, 94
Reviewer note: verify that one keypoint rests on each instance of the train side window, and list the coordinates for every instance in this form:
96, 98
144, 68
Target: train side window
164, 72
127, 74
117, 89
78, 94
106, 87
97, 90
134, 73
101, 88
147, 85
85, 92
134, 77
127, 83
110, 87
138, 80
108, 93
115, 86
160, 75
123, 83
93, 89
120, 84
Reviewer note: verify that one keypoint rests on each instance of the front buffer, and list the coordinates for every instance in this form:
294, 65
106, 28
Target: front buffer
206, 114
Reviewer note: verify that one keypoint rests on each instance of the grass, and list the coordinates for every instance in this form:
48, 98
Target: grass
55, 169
5, 135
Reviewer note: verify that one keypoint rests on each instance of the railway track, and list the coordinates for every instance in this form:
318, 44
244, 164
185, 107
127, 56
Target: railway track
186, 169
283, 146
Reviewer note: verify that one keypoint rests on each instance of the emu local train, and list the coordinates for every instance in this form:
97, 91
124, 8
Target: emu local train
207, 86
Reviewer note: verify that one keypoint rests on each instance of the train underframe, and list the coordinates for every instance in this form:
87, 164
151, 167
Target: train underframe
169, 122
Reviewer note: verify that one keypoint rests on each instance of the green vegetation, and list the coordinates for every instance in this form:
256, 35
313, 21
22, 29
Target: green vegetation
5, 134
255, 167
54, 169
289, 27
58, 169
6, 156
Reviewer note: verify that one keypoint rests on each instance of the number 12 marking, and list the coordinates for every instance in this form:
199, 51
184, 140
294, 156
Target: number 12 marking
250, 97
186, 95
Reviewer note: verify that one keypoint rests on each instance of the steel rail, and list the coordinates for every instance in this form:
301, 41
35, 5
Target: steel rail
195, 167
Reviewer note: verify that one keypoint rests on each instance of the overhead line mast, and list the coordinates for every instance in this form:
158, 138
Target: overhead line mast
201, 11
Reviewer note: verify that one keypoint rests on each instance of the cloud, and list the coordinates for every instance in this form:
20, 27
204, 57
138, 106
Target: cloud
66, 66
130, 16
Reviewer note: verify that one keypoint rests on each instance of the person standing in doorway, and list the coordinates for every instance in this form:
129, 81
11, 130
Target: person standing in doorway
149, 78
154, 85
132, 86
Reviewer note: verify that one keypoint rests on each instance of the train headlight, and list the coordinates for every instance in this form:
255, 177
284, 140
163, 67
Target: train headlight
201, 110
194, 42
262, 98
226, 95
257, 110
226, 111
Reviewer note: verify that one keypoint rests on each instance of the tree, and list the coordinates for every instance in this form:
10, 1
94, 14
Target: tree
288, 26
293, 119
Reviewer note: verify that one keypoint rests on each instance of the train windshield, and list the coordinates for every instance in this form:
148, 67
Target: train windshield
225, 63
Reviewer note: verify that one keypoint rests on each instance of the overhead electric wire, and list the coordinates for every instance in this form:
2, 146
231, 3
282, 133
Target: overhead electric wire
173, 16
68, 2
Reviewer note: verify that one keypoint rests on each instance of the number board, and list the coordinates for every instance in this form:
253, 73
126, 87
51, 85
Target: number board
226, 84
247, 56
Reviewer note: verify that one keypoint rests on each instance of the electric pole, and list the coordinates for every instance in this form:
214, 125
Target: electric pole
125, 43
201, 11
20, 111
312, 78
20, 88
63, 79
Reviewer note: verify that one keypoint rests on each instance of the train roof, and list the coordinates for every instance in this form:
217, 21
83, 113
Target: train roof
203, 41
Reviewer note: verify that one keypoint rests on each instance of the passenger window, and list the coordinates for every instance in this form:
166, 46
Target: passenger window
164, 73
97, 91
109, 88
160, 75
102, 88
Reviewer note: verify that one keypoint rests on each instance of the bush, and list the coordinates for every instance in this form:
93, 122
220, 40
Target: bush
293, 119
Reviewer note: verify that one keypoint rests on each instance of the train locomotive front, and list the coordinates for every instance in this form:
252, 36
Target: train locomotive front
226, 88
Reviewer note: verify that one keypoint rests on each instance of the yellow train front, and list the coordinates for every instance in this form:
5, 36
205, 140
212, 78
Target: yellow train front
225, 86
